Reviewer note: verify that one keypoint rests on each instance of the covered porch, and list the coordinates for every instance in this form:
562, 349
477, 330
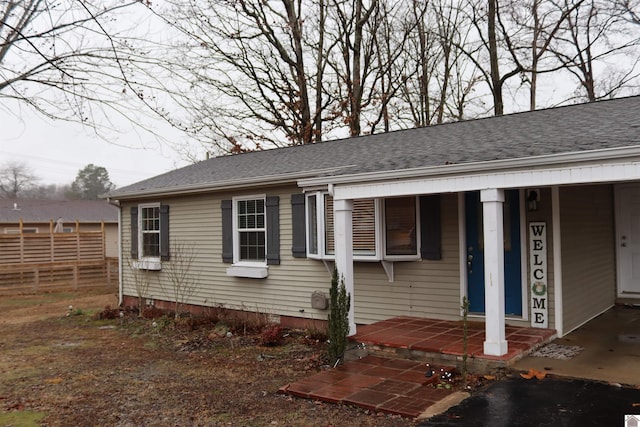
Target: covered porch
556, 256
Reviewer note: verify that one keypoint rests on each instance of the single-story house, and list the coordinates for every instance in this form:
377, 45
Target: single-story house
60, 216
534, 217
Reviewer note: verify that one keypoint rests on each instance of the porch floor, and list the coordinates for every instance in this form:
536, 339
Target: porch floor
386, 370
415, 337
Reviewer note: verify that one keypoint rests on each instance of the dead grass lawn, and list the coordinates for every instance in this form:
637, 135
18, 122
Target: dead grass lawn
126, 372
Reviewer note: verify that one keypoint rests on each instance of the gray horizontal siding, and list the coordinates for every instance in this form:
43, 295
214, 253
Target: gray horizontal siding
588, 246
425, 288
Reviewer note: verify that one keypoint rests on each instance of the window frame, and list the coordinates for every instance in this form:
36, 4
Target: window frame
418, 232
236, 231
380, 232
141, 232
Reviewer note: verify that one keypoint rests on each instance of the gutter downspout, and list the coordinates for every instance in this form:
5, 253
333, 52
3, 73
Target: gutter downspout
116, 203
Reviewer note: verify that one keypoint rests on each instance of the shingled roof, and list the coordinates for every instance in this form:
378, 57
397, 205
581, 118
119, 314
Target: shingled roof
45, 210
568, 129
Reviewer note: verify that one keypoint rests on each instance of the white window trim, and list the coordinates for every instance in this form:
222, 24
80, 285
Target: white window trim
248, 269
319, 197
380, 232
146, 262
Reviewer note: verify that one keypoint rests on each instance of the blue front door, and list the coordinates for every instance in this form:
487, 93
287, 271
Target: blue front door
475, 253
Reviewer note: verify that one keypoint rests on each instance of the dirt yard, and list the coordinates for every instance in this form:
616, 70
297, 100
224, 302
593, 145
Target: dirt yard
60, 366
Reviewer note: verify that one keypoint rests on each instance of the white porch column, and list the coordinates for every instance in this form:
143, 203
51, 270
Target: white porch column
492, 200
343, 239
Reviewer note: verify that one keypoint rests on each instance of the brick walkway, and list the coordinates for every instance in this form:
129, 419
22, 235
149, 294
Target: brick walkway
394, 386
401, 386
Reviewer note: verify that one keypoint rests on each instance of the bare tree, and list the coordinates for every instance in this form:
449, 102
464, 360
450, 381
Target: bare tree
391, 38
488, 48
441, 80
535, 25
266, 74
247, 69
254, 75
353, 60
179, 271
141, 282
75, 60
15, 179
631, 8
595, 37
46, 191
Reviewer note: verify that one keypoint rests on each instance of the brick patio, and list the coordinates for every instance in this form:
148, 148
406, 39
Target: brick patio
384, 381
433, 338
395, 386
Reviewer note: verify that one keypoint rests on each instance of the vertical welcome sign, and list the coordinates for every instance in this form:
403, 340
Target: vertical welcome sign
538, 274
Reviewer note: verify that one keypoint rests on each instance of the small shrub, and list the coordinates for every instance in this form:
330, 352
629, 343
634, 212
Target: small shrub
338, 321
272, 336
185, 322
151, 312
242, 323
75, 312
107, 313
315, 336
163, 322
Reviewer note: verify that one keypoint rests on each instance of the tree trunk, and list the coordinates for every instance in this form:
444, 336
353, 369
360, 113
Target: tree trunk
355, 97
305, 126
317, 119
496, 85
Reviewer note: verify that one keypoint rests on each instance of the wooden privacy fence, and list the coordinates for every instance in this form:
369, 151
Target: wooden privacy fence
44, 262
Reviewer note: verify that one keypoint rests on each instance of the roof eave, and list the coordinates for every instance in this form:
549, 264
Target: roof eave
261, 181
606, 154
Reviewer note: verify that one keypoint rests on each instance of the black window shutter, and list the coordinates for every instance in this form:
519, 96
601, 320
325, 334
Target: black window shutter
134, 232
299, 238
165, 251
273, 230
430, 227
227, 230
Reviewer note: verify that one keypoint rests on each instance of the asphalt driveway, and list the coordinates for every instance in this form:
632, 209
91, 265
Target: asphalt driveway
547, 402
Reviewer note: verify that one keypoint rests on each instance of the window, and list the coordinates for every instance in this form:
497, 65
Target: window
150, 231
250, 235
312, 220
400, 226
251, 230
150, 234
382, 229
364, 227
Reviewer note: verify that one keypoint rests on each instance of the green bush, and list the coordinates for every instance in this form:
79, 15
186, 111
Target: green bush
338, 318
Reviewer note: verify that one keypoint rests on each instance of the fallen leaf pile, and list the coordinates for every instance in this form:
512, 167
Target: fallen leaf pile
533, 373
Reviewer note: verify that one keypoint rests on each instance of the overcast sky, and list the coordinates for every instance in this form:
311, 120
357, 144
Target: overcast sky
56, 151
